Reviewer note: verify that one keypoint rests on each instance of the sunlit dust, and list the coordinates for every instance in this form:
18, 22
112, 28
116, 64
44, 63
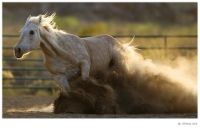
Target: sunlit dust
34, 109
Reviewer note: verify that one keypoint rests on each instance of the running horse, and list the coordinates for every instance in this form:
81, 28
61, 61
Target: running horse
67, 55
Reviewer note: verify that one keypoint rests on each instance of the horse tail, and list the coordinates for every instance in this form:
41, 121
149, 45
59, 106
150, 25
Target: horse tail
124, 55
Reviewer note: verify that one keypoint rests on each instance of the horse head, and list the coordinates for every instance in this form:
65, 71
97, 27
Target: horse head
29, 37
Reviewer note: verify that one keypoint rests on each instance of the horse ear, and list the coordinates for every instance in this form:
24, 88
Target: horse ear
28, 19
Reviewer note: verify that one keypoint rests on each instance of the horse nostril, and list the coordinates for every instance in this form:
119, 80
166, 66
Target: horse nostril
18, 50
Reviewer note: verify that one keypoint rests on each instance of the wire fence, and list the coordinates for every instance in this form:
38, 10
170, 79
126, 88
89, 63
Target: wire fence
20, 82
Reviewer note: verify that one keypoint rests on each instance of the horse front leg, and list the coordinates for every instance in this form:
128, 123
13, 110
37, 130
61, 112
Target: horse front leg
72, 73
62, 81
85, 70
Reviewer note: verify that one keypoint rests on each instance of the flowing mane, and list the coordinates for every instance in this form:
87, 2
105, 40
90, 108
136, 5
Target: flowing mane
45, 24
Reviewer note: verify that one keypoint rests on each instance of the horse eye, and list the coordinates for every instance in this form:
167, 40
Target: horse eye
31, 32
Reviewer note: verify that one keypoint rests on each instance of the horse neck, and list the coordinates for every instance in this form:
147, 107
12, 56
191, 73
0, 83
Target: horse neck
50, 48
47, 47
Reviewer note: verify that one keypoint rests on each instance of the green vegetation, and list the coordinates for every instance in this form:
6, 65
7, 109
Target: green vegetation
74, 25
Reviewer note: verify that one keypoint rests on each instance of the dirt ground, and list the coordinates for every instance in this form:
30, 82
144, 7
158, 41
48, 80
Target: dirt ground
17, 107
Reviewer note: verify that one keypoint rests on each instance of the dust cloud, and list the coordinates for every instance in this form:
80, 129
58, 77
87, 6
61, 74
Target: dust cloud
147, 87
168, 88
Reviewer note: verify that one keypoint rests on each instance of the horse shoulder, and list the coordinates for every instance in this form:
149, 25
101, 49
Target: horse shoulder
74, 46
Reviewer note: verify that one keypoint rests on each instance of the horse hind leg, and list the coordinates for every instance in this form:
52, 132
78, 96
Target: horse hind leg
116, 64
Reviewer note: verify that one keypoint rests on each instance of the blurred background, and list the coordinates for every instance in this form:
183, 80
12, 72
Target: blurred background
163, 32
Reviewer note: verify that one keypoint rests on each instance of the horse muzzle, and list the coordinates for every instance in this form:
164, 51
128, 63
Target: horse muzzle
18, 52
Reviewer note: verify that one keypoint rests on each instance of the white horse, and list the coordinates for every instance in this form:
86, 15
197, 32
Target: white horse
66, 55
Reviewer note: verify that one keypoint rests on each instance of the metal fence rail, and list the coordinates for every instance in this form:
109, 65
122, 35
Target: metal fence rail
165, 37
123, 36
30, 87
16, 69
